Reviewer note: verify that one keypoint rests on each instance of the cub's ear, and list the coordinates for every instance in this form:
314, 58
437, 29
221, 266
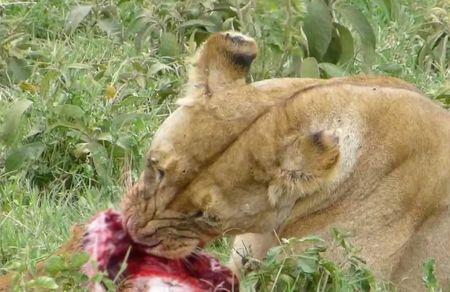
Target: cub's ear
326, 148
223, 61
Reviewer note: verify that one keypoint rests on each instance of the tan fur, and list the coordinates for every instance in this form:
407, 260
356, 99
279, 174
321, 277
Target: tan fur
369, 155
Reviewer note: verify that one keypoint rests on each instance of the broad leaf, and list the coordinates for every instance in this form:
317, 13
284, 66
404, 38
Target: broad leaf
334, 49
168, 45
391, 68
347, 45
198, 23
126, 142
43, 283
11, 123
318, 28
101, 161
332, 70
125, 119
393, 8
18, 69
70, 111
17, 157
157, 67
54, 264
360, 24
78, 260
308, 264
48, 82
109, 21
76, 16
109, 25
309, 68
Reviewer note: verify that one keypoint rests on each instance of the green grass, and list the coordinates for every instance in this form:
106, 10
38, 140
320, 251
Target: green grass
99, 91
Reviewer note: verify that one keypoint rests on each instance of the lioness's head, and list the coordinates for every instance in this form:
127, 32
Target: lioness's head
227, 163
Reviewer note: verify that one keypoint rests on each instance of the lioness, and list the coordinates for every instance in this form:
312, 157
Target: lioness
369, 155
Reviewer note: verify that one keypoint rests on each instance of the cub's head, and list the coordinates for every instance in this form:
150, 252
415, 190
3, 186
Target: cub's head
207, 175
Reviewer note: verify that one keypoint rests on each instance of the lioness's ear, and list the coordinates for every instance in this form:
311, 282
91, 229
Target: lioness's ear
324, 140
326, 145
223, 61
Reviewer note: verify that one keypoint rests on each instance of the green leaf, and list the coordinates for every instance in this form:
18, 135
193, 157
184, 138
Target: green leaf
18, 156
101, 161
347, 44
426, 50
141, 36
228, 24
393, 8
109, 25
285, 282
157, 67
79, 66
78, 260
109, 284
109, 21
125, 119
332, 70
70, 111
43, 283
76, 16
311, 238
429, 276
309, 68
47, 81
18, 69
81, 150
333, 52
308, 264
197, 23
54, 264
441, 51
11, 123
391, 68
297, 55
360, 24
168, 45
105, 136
318, 28
125, 142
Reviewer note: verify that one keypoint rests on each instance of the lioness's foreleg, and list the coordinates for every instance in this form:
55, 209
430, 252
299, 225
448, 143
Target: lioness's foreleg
432, 240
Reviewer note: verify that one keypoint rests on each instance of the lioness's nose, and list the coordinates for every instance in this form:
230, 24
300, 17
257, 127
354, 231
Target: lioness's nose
148, 239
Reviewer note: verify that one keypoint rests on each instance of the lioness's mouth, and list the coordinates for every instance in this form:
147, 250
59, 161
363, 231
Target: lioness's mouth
151, 243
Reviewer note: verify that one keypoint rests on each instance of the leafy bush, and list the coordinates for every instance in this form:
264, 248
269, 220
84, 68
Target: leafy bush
287, 270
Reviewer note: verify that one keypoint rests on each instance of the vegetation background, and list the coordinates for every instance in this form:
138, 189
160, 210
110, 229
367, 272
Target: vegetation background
84, 85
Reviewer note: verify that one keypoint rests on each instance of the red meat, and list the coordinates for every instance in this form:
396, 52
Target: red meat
108, 243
